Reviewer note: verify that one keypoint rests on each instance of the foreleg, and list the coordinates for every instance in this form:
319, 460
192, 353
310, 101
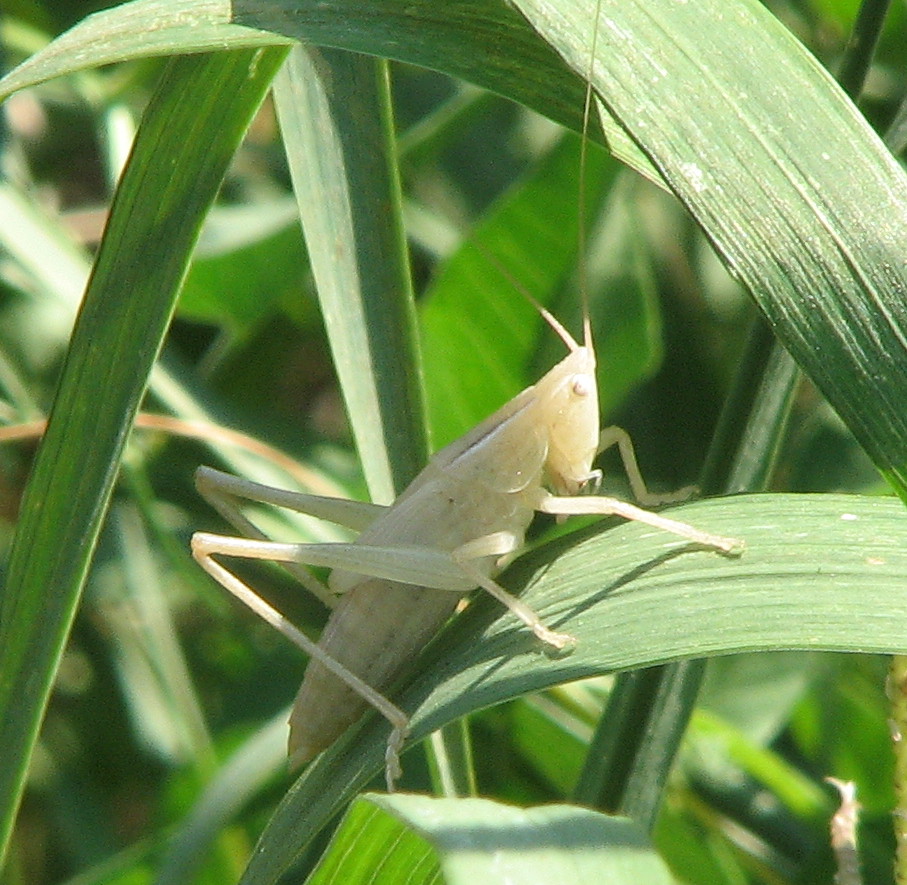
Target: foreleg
617, 436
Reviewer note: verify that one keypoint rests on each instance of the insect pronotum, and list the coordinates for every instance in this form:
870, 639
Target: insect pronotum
394, 586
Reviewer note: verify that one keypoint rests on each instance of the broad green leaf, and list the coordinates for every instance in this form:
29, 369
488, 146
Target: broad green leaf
472, 841
818, 572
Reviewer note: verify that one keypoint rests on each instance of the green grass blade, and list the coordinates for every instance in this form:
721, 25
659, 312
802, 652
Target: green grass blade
142, 29
796, 192
634, 745
189, 134
386, 839
486, 42
819, 572
334, 110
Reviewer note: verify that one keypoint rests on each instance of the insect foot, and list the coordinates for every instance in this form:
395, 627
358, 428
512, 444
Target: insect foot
563, 643
730, 546
393, 771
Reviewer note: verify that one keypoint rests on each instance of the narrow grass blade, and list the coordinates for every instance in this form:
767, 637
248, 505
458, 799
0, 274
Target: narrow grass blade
334, 110
190, 131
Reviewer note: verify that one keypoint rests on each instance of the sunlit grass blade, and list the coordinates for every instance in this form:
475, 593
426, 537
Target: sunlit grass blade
473, 841
819, 572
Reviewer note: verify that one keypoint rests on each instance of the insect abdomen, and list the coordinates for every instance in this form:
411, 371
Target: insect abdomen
375, 631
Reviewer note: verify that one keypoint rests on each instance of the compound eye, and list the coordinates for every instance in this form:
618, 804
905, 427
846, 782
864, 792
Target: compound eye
581, 385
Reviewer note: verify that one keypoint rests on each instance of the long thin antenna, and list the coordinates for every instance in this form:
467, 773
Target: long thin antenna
549, 318
546, 315
582, 207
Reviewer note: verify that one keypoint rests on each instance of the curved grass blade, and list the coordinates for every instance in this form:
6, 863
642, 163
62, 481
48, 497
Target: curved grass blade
819, 572
798, 195
487, 42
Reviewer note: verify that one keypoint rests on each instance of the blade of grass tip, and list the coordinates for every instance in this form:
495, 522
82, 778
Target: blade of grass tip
189, 132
